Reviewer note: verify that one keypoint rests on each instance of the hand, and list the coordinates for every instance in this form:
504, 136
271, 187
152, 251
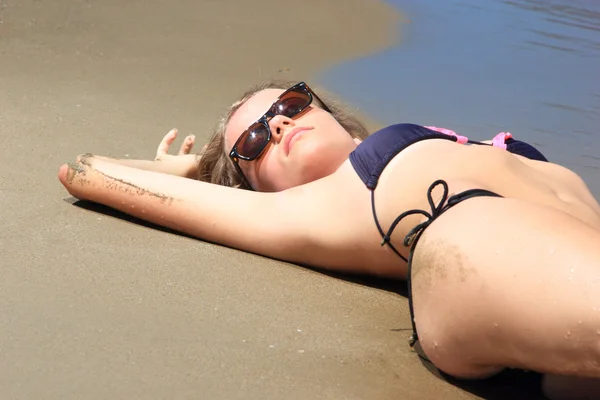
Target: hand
184, 162
167, 141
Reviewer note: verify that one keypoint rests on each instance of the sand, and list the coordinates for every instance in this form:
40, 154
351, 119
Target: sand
94, 305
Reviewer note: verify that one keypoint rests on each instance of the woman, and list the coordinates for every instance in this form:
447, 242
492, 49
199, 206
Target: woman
506, 244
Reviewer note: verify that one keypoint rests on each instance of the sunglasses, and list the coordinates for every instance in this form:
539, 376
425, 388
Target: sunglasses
253, 141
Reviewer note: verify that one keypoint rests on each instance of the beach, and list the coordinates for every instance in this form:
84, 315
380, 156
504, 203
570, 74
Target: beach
95, 305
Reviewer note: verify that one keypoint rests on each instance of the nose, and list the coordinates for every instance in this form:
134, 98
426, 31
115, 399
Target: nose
278, 125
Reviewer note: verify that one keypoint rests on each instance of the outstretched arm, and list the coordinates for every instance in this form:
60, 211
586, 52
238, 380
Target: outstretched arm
306, 225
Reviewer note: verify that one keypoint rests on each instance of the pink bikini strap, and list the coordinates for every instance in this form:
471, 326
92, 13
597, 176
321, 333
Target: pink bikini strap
500, 140
460, 139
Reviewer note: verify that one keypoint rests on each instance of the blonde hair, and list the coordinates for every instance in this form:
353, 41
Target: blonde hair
215, 166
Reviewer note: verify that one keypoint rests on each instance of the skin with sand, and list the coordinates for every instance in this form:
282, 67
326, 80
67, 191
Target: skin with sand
522, 293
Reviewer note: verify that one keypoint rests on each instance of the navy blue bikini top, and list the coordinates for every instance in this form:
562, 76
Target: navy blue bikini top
375, 152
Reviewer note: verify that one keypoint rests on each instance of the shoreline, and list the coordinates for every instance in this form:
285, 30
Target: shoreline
434, 80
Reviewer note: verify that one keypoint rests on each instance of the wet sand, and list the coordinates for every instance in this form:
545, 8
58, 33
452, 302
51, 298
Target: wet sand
96, 305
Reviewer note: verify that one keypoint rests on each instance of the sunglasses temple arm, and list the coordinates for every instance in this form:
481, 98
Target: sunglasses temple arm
239, 170
322, 102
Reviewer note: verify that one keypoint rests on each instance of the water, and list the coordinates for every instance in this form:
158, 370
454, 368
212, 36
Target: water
530, 67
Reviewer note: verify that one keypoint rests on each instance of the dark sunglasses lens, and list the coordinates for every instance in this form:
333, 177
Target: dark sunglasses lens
291, 103
254, 141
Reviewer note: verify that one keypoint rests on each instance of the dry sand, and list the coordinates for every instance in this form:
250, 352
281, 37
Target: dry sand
95, 306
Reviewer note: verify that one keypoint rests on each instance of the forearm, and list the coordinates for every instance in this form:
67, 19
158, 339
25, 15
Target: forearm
186, 167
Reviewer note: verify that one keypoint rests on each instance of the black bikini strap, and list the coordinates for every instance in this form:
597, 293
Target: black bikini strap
436, 210
386, 238
480, 143
411, 239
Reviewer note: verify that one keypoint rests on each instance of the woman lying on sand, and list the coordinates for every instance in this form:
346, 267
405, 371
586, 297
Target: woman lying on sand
500, 248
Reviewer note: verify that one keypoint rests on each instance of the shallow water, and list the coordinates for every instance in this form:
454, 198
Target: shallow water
530, 67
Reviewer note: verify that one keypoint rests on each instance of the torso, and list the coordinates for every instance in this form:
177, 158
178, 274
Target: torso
529, 242
492, 169
404, 182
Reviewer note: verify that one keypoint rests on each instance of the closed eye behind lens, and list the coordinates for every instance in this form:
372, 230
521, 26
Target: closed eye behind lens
292, 105
254, 142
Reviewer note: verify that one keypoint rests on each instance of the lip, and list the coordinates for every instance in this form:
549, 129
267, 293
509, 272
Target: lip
287, 141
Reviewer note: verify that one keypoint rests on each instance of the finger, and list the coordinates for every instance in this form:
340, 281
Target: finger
74, 177
163, 147
187, 145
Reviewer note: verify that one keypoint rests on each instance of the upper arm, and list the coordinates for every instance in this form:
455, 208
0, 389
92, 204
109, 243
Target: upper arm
327, 223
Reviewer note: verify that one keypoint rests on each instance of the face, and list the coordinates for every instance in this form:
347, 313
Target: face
302, 149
